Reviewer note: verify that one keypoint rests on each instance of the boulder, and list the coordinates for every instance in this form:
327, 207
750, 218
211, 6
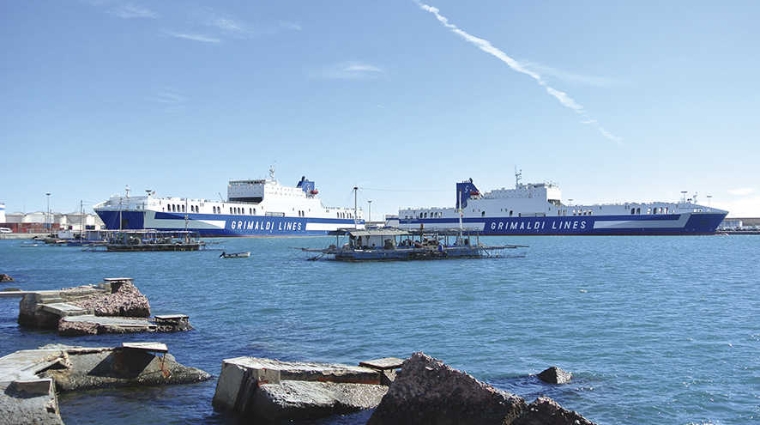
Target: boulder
545, 411
555, 375
124, 299
428, 391
5, 278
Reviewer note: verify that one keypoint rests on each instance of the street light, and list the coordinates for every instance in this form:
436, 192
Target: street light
48, 212
370, 211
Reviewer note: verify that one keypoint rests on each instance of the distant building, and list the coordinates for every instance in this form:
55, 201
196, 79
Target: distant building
42, 222
2, 212
731, 224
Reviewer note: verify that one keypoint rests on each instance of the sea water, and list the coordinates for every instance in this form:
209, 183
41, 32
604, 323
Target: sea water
655, 330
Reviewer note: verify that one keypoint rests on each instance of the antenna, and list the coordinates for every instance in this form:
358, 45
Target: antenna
356, 215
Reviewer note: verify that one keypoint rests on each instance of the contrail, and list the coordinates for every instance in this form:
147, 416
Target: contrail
487, 47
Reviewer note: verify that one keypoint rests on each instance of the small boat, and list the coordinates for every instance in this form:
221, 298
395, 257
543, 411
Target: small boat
245, 254
391, 244
152, 240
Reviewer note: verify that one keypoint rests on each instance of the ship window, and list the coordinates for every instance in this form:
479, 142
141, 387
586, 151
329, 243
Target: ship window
483, 214
633, 211
510, 213
638, 210
183, 208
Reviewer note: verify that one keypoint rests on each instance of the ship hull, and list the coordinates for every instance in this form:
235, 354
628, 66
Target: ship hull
215, 225
665, 224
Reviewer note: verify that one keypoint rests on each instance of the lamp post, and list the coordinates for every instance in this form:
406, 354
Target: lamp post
47, 226
370, 211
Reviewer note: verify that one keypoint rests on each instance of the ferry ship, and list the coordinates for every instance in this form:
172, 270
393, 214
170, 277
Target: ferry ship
537, 209
261, 207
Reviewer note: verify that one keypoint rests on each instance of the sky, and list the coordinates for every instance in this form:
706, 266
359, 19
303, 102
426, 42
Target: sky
612, 100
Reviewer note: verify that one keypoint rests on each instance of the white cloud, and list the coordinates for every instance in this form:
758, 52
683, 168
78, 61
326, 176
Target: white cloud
168, 97
748, 207
349, 71
487, 47
228, 25
742, 191
293, 26
193, 37
131, 11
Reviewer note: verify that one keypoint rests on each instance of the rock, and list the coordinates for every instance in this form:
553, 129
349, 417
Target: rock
124, 300
29, 379
545, 411
428, 391
555, 375
5, 278
90, 368
67, 328
273, 391
29, 402
109, 300
293, 400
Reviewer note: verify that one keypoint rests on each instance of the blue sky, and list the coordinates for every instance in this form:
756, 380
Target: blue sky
613, 100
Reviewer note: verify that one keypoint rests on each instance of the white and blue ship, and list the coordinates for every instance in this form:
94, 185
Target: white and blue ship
537, 209
261, 207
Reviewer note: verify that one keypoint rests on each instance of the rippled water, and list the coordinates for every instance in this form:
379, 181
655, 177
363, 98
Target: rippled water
659, 330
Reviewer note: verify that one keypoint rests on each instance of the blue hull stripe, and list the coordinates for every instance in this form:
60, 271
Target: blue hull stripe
666, 224
211, 225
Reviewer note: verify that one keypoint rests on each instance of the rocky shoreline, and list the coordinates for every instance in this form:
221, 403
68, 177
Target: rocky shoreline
420, 389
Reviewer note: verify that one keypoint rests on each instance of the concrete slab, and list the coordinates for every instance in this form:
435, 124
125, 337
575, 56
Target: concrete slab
156, 347
309, 371
64, 309
383, 364
124, 322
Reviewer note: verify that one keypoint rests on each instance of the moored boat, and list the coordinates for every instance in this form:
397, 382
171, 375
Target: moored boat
152, 240
261, 207
538, 209
245, 254
390, 244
